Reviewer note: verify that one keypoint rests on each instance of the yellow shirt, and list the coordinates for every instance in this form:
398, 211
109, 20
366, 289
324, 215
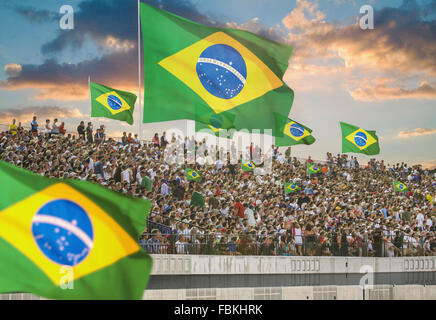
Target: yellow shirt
13, 129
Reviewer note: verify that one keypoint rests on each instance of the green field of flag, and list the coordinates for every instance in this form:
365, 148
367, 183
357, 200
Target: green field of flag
146, 183
399, 186
358, 140
248, 165
227, 78
293, 133
311, 169
192, 175
197, 199
61, 234
291, 187
111, 103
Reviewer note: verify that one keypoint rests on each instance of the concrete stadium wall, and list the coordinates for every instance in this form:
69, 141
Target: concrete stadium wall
378, 292
385, 292
169, 264
303, 278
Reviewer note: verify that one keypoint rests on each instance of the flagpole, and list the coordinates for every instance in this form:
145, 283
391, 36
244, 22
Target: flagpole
139, 73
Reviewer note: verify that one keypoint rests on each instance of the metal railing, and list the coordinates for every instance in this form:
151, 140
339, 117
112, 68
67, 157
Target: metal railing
281, 245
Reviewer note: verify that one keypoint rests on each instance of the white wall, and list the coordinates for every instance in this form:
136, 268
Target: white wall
203, 264
382, 292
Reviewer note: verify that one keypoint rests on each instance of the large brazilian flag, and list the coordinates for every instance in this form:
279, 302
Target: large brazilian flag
358, 140
227, 78
69, 239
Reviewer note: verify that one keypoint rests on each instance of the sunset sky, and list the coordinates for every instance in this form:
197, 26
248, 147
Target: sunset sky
382, 79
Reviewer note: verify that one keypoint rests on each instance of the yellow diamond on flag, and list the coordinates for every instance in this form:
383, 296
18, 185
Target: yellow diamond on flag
226, 59
61, 212
361, 139
215, 129
295, 131
113, 102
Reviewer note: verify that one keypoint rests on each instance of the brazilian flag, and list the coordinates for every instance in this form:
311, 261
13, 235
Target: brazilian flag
214, 126
218, 132
196, 72
192, 175
70, 239
358, 140
311, 169
293, 133
248, 165
399, 186
111, 103
291, 187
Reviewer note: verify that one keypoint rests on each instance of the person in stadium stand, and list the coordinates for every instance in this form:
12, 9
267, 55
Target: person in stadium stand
81, 130
345, 210
89, 131
62, 129
13, 129
34, 126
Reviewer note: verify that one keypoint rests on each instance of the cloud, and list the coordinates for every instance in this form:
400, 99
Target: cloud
118, 23
401, 48
416, 132
34, 15
13, 69
429, 164
66, 81
26, 114
384, 92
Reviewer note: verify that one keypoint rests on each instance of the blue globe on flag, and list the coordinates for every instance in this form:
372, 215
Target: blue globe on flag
63, 232
114, 102
296, 130
222, 71
360, 139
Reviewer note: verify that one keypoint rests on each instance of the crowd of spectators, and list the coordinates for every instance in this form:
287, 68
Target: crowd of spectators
347, 209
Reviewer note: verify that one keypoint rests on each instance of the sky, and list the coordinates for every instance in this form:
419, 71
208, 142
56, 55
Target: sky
382, 79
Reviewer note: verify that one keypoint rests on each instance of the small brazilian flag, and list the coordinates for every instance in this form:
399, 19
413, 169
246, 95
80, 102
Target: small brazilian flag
70, 239
195, 72
293, 133
291, 187
311, 169
358, 140
248, 165
399, 186
111, 103
192, 175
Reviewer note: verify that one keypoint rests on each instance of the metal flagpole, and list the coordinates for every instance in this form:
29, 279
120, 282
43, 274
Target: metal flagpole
139, 73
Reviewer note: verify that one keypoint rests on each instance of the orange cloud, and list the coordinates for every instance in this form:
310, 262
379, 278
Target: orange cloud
67, 81
429, 165
26, 114
400, 49
416, 132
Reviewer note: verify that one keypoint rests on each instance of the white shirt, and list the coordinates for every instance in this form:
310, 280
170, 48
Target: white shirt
250, 216
125, 176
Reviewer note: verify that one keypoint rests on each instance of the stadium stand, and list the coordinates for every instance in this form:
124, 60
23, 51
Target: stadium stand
347, 209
